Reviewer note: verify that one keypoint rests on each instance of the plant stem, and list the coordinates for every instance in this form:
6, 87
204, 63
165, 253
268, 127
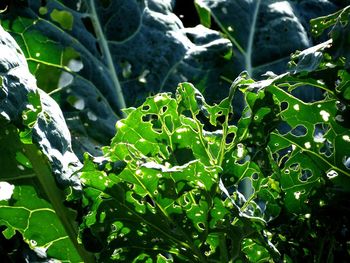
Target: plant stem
107, 54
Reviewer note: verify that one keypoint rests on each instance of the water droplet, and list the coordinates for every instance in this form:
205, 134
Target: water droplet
331, 174
296, 107
255, 176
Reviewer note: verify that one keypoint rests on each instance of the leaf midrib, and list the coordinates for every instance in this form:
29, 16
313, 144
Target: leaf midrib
248, 55
107, 53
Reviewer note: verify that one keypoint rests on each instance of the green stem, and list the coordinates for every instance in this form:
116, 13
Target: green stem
106, 52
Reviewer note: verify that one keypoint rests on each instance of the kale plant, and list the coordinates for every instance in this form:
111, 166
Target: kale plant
232, 166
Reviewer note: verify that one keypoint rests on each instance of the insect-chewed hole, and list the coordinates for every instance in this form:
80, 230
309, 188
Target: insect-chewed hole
145, 107
164, 109
299, 131
305, 175
284, 105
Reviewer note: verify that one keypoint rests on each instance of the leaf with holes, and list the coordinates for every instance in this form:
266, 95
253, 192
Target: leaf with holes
97, 57
160, 189
35, 153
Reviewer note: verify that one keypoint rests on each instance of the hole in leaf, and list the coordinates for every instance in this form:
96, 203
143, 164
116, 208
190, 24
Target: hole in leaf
294, 167
149, 200
283, 156
340, 106
284, 105
331, 174
255, 176
201, 226
346, 162
327, 148
164, 109
305, 175
88, 25
283, 128
299, 131
319, 132
145, 107
230, 137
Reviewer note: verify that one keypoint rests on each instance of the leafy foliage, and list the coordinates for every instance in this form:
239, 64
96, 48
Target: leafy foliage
97, 65
179, 166
265, 33
183, 179
35, 148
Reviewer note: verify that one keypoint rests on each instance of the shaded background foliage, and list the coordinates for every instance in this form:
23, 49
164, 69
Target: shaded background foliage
151, 50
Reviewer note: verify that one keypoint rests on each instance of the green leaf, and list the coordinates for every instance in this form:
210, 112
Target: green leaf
311, 153
167, 199
264, 33
89, 57
35, 153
